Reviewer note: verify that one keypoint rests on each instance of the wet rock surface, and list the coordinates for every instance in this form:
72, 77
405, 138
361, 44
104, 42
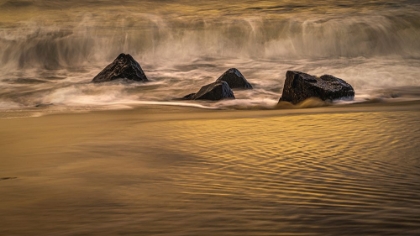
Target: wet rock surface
123, 67
300, 86
214, 91
235, 79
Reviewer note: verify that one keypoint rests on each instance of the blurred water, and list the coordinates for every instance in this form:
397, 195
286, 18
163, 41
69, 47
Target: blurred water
50, 50
347, 171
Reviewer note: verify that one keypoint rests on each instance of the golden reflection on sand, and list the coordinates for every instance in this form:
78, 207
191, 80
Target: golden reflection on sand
173, 169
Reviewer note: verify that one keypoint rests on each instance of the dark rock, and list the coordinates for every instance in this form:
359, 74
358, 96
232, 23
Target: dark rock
235, 79
300, 86
44, 104
8, 178
189, 96
214, 91
124, 66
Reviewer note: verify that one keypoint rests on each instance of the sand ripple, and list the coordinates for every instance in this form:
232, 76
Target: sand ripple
331, 173
141, 173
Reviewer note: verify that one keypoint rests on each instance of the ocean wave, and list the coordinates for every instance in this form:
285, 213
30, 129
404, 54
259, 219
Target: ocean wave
51, 56
51, 44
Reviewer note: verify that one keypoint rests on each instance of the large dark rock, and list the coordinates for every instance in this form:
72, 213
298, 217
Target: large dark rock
123, 67
300, 86
235, 79
214, 91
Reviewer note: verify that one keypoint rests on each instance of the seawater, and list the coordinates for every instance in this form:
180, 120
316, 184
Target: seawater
51, 50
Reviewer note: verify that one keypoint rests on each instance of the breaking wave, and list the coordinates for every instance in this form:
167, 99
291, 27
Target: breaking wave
49, 56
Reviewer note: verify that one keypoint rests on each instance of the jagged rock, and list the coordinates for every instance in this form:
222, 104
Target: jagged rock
214, 91
235, 79
189, 96
124, 66
300, 86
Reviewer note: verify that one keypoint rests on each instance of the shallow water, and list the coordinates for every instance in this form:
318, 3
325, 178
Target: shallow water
185, 172
51, 50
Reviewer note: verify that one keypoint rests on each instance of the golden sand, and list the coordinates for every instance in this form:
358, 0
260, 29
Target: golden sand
186, 171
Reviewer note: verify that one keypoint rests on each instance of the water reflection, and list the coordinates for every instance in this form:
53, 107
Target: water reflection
313, 174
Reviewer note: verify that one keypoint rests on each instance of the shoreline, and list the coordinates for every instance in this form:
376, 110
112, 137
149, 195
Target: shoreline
187, 112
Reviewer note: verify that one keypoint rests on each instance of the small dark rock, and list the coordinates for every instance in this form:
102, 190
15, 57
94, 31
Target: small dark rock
235, 79
214, 91
300, 86
8, 178
44, 104
124, 66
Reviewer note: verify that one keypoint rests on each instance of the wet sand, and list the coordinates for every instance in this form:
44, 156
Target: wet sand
165, 170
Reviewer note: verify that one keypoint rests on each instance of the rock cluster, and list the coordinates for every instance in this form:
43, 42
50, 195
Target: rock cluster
222, 87
300, 86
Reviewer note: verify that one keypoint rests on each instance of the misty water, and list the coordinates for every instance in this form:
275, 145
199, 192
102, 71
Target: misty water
149, 164
51, 50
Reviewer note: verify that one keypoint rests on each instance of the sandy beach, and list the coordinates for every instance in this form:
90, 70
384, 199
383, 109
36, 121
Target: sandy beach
165, 170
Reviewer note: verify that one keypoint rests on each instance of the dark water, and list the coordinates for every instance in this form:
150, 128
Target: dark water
50, 50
